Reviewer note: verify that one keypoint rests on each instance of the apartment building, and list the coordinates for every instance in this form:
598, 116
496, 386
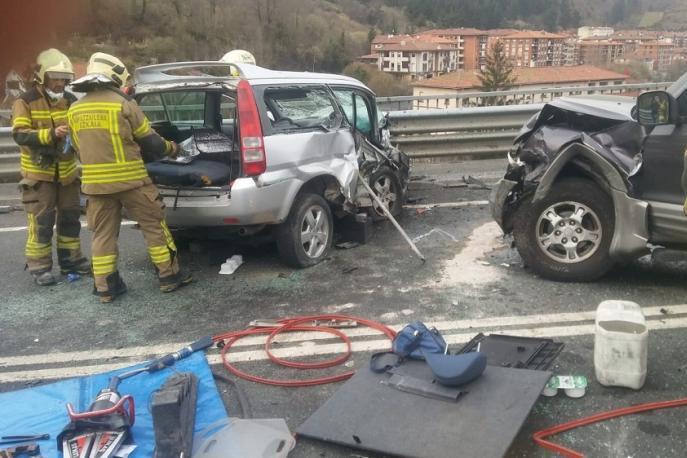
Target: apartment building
471, 44
582, 79
415, 56
600, 52
532, 48
656, 55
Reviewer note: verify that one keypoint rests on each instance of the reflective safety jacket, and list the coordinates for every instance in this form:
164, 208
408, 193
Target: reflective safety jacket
109, 130
34, 120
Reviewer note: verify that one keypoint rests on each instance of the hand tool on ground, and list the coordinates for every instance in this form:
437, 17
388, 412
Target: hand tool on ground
390, 216
100, 431
23, 438
21, 451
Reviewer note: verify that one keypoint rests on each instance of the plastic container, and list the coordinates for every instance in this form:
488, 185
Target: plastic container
230, 266
620, 344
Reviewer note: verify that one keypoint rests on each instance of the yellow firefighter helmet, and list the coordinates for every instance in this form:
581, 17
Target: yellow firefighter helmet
53, 64
108, 66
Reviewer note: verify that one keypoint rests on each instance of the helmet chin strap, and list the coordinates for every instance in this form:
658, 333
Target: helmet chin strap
54, 96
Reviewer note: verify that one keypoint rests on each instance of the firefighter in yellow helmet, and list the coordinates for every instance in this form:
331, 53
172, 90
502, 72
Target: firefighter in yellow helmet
49, 185
111, 135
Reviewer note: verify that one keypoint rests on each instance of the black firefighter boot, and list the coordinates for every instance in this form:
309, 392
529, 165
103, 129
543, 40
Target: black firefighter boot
81, 266
174, 282
115, 287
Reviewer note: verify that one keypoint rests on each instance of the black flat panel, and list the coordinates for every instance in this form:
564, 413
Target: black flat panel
369, 415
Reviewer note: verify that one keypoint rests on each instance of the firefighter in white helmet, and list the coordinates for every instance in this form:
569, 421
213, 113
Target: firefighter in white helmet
238, 56
49, 185
111, 135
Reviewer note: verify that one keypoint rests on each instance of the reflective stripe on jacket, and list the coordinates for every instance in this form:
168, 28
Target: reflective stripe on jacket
108, 129
33, 127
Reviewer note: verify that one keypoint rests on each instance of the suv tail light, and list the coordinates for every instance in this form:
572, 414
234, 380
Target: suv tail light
250, 128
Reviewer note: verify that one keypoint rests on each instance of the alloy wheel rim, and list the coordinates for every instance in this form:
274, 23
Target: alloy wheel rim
569, 232
314, 231
384, 189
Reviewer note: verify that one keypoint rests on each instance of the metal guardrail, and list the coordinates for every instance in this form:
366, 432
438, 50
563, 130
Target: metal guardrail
512, 97
463, 132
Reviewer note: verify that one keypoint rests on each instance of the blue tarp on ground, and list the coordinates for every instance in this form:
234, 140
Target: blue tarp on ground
43, 409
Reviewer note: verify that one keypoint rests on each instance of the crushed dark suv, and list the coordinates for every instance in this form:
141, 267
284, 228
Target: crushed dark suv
595, 181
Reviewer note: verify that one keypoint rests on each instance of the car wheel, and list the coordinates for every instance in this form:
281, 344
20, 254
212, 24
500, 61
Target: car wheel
386, 185
566, 236
305, 238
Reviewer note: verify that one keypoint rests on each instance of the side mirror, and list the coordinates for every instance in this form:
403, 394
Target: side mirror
656, 108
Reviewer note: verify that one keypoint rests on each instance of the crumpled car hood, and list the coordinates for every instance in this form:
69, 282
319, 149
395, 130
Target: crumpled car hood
603, 123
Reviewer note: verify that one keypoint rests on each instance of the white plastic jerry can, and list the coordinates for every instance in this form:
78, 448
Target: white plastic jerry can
620, 344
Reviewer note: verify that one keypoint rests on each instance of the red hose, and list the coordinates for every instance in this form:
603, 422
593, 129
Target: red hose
296, 325
540, 435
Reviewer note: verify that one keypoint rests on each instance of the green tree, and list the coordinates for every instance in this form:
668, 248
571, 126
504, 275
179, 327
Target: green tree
371, 34
498, 72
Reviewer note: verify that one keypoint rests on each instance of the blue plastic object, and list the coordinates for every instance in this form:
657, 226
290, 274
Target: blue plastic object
43, 408
456, 370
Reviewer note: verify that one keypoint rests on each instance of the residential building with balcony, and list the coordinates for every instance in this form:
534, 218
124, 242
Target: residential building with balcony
600, 52
415, 56
531, 48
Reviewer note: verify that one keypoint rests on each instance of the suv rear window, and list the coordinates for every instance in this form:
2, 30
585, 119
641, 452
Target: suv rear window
299, 107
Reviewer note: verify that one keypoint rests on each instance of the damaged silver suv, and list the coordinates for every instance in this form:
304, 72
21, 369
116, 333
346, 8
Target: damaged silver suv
591, 182
268, 150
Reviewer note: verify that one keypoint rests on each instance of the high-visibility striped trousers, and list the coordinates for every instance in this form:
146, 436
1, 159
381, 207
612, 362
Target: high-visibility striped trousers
145, 206
48, 204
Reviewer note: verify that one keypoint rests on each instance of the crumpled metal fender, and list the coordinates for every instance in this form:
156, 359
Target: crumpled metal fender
632, 214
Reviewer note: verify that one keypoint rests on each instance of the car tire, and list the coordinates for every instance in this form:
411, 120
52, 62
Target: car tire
385, 183
566, 236
305, 238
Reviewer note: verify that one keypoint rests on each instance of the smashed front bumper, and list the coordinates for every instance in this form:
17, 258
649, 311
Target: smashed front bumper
497, 201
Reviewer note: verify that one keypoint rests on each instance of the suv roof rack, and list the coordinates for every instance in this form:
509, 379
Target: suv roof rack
162, 73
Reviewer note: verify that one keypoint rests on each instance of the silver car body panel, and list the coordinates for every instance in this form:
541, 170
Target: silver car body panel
668, 223
292, 160
633, 214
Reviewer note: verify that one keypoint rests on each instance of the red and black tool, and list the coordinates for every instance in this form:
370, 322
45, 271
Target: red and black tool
100, 431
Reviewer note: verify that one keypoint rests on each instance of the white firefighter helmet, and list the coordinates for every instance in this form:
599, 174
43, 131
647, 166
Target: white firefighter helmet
53, 64
238, 56
108, 66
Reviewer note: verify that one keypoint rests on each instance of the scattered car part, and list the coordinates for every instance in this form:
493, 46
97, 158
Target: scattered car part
540, 436
515, 351
391, 218
422, 387
174, 413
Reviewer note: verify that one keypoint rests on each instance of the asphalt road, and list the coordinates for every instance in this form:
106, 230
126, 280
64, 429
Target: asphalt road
473, 281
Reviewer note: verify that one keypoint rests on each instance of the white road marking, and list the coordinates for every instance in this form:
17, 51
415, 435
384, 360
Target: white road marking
469, 203
312, 350
557, 325
83, 224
